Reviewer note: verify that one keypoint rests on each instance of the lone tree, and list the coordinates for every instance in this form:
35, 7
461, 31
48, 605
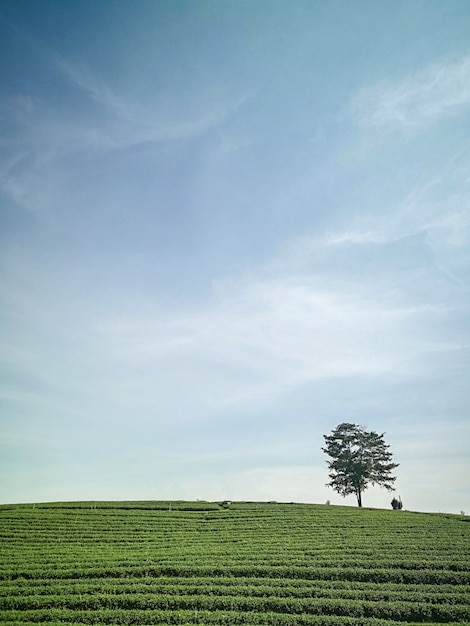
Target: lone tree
359, 458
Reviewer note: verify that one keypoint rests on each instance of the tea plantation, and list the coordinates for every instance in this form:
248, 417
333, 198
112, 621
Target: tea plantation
239, 563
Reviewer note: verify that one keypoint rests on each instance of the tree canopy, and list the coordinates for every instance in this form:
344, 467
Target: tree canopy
359, 457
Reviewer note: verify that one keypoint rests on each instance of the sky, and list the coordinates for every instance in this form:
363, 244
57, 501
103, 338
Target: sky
227, 227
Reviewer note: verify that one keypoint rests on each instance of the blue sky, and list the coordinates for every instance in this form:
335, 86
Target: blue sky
225, 228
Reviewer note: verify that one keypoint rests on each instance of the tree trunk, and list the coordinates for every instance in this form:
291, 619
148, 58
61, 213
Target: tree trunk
359, 497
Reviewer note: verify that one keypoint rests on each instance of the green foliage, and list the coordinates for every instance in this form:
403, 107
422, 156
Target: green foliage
251, 563
359, 458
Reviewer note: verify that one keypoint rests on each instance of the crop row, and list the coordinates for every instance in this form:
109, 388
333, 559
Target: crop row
243, 514
216, 616
148, 521
30, 561
275, 585
275, 536
214, 587
216, 539
229, 581
397, 610
198, 545
14, 600
356, 539
376, 574
242, 540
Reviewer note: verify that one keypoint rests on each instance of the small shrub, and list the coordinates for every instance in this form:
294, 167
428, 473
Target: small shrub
397, 505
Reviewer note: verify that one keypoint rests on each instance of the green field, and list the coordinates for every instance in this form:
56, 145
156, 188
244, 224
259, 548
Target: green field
248, 563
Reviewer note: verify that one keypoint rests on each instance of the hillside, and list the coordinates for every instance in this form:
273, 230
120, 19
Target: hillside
243, 563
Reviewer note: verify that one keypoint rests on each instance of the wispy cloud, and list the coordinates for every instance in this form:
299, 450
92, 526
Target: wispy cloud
257, 341
269, 337
32, 173
81, 77
437, 211
136, 122
417, 100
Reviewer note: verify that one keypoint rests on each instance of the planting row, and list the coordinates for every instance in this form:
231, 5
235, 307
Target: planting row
246, 587
396, 610
327, 614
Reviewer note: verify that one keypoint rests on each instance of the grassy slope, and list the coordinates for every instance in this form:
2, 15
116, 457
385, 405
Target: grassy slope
185, 563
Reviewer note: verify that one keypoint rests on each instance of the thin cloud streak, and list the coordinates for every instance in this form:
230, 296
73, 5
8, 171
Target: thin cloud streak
138, 123
436, 211
31, 177
418, 100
